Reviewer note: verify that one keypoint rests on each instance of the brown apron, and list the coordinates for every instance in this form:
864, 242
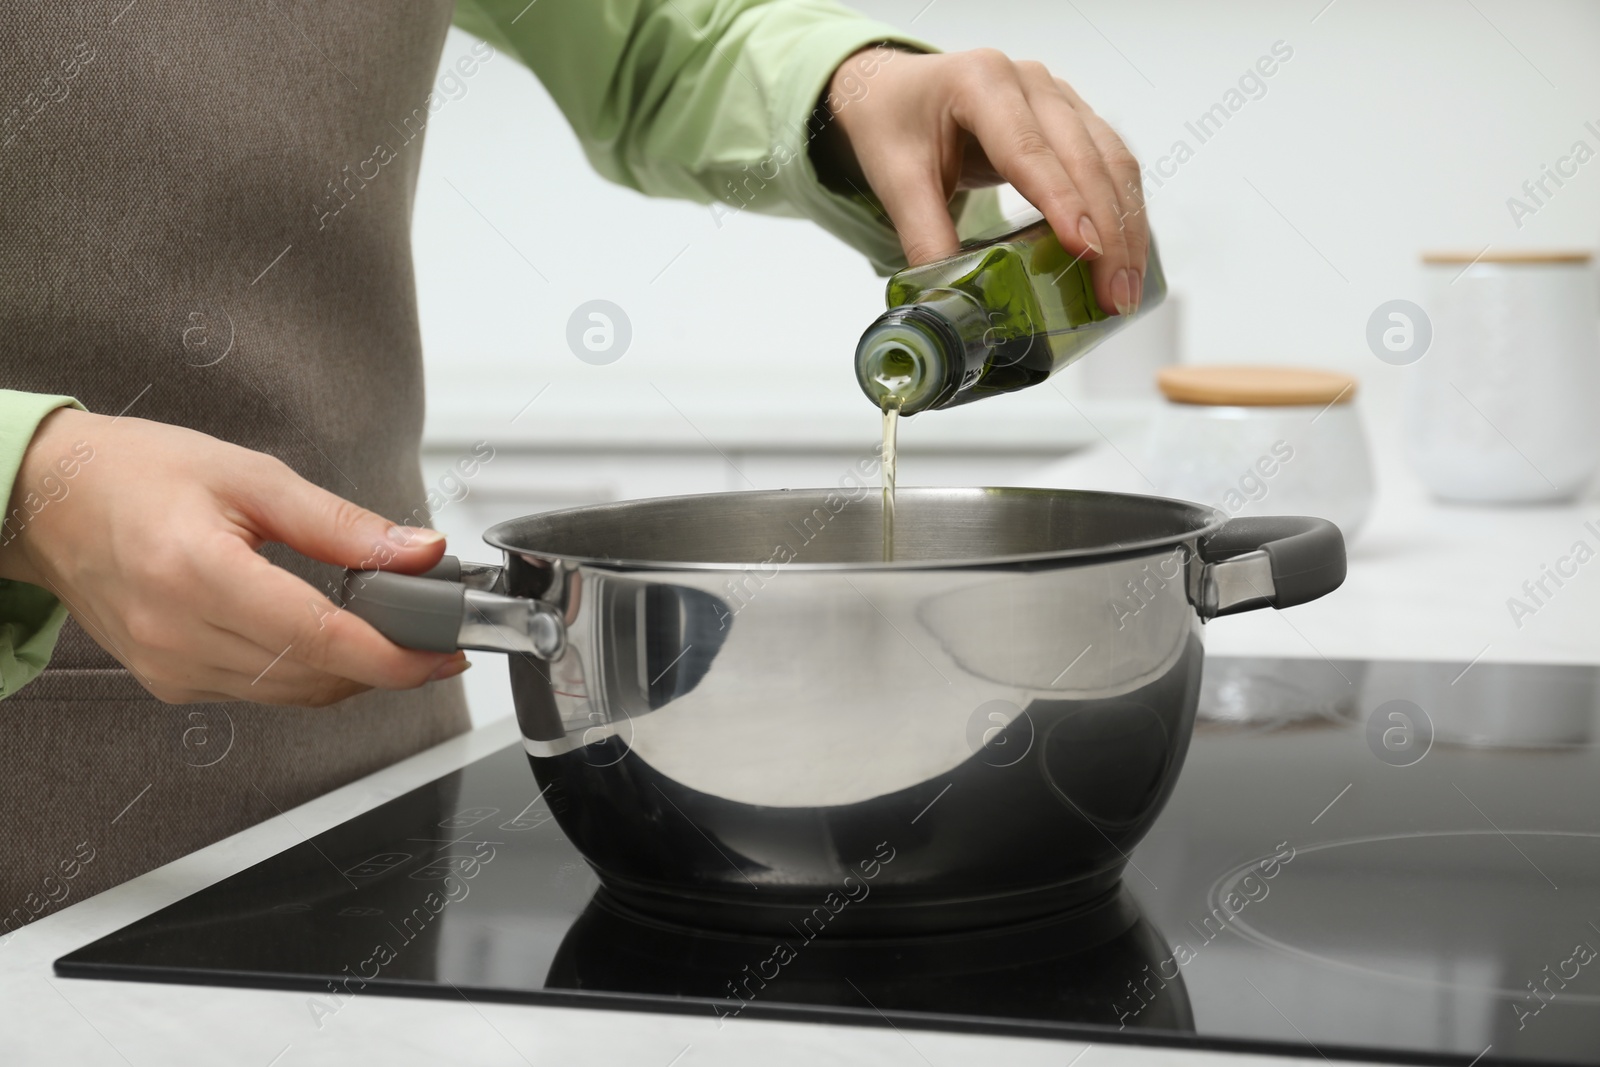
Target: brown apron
195, 227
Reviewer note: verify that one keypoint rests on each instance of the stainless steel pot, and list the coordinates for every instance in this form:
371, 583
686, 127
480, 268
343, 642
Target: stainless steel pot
742, 717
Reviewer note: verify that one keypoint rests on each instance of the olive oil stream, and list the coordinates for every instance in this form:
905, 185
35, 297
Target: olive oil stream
891, 420
896, 372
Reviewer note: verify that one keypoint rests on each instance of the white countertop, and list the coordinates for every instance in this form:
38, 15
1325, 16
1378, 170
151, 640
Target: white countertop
1425, 582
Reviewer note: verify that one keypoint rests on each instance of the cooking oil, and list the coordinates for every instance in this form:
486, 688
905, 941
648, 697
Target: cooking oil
891, 420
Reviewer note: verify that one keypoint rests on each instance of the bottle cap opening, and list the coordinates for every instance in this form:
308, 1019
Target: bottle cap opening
899, 363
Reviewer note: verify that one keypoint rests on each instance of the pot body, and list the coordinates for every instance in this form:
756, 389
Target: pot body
816, 743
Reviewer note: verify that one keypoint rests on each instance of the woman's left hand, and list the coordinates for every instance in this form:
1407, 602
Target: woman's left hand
919, 128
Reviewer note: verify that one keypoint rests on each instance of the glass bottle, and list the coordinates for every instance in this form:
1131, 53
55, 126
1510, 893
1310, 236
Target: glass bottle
1004, 313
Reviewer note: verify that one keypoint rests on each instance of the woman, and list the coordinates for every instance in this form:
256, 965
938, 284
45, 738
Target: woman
211, 360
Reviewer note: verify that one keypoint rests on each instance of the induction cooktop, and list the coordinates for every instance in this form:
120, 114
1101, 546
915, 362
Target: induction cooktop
1385, 860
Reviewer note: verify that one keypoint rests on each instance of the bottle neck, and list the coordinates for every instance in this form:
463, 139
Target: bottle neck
921, 355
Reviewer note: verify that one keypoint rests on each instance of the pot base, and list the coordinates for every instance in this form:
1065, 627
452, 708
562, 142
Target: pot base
1064, 968
879, 915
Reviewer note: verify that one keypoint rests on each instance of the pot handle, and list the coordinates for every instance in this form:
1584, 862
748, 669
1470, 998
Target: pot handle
450, 607
1276, 561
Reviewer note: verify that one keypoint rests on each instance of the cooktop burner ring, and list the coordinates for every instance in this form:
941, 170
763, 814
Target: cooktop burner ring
1240, 920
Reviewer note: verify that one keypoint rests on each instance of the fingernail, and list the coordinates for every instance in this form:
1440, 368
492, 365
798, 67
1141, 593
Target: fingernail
1138, 289
413, 536
449, 669
1090, 235
1122, 290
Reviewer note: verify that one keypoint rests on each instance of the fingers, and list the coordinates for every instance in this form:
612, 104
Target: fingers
239, 637
233, 668
278, 505
280, 680
1040, 136
1115, 277
279, 613
342, 652
935, 124
993, 103
902, 143
1125, 176
913, 196
246, 671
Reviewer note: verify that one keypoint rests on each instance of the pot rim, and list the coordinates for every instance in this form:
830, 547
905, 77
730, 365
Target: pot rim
498, 535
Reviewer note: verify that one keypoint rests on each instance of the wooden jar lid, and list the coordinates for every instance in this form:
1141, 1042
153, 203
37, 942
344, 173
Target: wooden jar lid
1509, 255
1248, 386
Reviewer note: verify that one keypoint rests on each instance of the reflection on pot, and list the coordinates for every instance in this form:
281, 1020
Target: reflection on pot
1109, 761
1080, 967
660, 640
1087, 633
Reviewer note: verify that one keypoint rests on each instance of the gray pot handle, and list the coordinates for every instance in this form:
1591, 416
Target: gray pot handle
450, 607
1269, 561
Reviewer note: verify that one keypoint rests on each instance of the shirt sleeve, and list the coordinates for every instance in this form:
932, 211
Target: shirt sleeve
708, 100
30, 617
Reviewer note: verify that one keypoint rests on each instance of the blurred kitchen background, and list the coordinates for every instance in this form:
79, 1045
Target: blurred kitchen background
1391, 129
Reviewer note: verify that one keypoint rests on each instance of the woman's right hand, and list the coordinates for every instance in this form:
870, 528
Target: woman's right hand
151, 544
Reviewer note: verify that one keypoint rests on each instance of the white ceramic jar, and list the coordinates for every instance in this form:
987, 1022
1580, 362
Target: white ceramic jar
1262, 441
1502, 408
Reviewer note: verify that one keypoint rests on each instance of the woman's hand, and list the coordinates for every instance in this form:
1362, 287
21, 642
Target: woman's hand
918, 128
151, 543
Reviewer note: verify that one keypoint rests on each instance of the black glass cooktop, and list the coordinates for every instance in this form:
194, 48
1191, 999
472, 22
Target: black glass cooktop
1383, 860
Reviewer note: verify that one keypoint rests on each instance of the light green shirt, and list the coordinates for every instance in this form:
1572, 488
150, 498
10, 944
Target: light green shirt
704, 100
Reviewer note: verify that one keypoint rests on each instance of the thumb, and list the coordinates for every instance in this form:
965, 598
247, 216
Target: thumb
914, 200
282, 506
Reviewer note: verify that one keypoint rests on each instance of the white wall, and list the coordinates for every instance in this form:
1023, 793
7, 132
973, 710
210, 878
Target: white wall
1394, 127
